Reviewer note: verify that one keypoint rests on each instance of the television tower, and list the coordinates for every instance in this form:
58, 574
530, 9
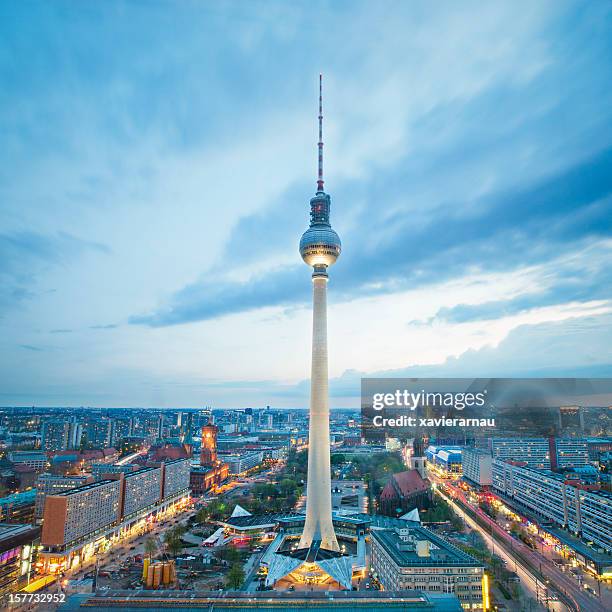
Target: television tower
319, 247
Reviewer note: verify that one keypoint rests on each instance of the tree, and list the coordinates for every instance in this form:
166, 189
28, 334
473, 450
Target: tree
235, 577
173, 542
288, 486
150, 547
337, 459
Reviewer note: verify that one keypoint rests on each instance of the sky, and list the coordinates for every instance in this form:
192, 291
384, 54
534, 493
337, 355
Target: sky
157, 161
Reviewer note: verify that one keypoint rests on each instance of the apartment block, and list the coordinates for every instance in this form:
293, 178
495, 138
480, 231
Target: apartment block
49, 484
80, 513
582, 509
176, 477
478, 466
533, 451
142, 489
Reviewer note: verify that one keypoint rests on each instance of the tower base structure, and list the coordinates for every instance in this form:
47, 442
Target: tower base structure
312, 566
289, 564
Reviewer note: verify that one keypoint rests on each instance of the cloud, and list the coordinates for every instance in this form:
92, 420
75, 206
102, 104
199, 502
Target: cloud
583, 276
108, 326
30, 347
494, 233
26, 255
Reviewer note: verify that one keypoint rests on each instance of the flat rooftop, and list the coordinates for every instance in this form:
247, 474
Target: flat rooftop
322, 601
441, 552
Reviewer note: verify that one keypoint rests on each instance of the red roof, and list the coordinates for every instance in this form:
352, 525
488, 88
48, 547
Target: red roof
404, 484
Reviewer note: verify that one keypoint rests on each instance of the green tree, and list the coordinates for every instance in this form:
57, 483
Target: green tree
235, 577
150, 547
337, 459
288, 486
173, 542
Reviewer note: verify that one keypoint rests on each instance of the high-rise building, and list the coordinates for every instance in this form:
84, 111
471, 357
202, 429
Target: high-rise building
142, 490
121, 428
533, 451
477, 466
99, 432
50, 484
571, 417
320, 248
77, 520
75, 513
569, 452
55, 435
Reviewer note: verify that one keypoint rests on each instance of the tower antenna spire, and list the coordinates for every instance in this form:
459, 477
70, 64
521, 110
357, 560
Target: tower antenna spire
320, 143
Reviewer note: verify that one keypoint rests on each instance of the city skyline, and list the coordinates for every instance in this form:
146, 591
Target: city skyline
137, 254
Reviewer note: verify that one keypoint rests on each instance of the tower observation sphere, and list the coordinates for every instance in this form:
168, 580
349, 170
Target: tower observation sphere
320, 245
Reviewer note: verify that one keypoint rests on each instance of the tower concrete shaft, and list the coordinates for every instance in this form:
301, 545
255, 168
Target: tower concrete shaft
318, 525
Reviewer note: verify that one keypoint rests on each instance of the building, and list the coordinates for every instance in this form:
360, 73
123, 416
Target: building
240, 463
176, 478
49, 484
18, 508
542, 453
55, 435
35, 459
571, 417
569, 452
580, 508
142, 490
208, 449
598, 446
533, 451
121, 428
98, 433
202, 478
230, 601
75, 515
447, 458
405, 491
102, 471
478, 466
415, 558
79, 522
17, 549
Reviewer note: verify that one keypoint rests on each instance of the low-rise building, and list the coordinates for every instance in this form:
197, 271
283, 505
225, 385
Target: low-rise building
18, 508
404, 492
243, 462
17, 549
35, 459
416, 558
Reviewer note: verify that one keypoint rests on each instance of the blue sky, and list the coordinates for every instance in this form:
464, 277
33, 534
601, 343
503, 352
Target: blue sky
156, 162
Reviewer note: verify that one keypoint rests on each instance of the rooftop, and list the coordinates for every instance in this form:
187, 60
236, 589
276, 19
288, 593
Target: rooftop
441, 552
83, 488
322, 601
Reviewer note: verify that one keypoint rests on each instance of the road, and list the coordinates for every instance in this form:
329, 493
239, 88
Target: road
532, 564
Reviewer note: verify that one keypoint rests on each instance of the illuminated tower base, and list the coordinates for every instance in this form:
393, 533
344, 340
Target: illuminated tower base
319, 526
